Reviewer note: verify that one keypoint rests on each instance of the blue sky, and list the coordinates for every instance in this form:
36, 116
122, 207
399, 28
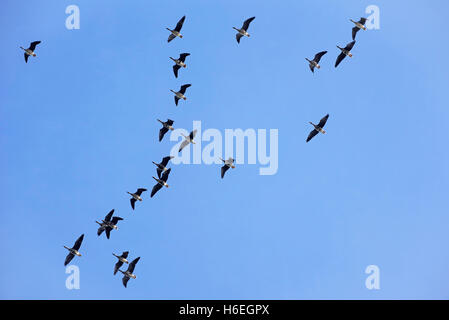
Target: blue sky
78, 129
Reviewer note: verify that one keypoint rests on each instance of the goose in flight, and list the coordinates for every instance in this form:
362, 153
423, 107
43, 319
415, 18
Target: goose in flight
188, 139
128, 274
227, 164
346, 51
162, 182
121, 260
243, 31
358, 25
136, 196
317, 128
180, 62
176, 32
180, 93
30, 50
162, 167
108, 224
315, 62
168, 125
74, 250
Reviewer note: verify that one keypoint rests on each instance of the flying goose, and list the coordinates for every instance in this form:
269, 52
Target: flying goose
108, 224
346, 51
358, 25
74, 250
315, 62
121, 260
30, 50
317, 128
188, 139
176, 32
168, 125
227, 164
129, 273
162, 182
136, 196
180, 93
179, 63
162, 167
244, 30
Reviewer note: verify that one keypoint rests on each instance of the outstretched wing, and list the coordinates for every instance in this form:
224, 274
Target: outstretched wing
165, 175
182, 56
340, 58
170, 122
165, 160
162, 132
140, 190
175, 70
362, 20
159, 172
125, 280
312, 134
156, 188
192, 134
117, 266
318, 56
109, 215
78, 242
176, 100
125, 254
183, 145
312, 68
108, 232
223, 170
349, 46
33, 45
247, 22
26, 57
132, 264
323, 121
100, 231
116, 219
68, 258
133, 201
171, 37
354, 32
184, 88
238, 36
180, 23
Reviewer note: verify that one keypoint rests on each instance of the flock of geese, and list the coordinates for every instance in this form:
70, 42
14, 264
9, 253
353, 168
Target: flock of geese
110, 221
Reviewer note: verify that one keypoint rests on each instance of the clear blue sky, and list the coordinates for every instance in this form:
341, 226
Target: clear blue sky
78, 129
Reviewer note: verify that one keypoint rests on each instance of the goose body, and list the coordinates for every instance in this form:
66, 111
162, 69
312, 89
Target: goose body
74, 251
108, 224
176, 31
243, 31
180, 94
317, 128
179, 63
316, 60
188, 139
162, 182
128, 274
30, 51
136, 196
345, 52
358, 25
121, 260
162, 167
227, 164
168, 125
